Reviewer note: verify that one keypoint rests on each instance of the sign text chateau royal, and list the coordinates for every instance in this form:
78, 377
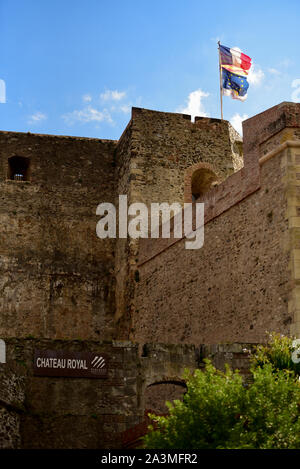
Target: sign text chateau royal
73, 364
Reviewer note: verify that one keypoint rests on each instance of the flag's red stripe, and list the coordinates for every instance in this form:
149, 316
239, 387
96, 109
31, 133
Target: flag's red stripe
246, 61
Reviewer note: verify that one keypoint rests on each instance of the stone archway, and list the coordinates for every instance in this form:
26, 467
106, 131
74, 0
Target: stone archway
156, 395
199, 179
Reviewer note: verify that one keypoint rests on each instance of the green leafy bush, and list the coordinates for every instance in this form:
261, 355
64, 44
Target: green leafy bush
278, 352
220, 412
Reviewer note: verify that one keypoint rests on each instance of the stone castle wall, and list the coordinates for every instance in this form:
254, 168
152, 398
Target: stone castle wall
241, 284
56, 278
154, 159
165, 145
59, 412
236, 287
62, 288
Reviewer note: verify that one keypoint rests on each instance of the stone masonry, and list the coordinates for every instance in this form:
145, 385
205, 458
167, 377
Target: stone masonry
153, 307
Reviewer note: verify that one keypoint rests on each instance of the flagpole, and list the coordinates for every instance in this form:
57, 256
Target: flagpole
220, 70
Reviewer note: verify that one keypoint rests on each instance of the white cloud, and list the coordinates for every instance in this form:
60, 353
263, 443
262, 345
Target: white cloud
110, 95
194, 104
256, 75
274, 71
295, 96
126, 108
88, 114
236, 122
86, 98
112, 106
37, 117
2, 92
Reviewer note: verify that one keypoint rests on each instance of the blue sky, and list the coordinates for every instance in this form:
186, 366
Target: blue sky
74, 67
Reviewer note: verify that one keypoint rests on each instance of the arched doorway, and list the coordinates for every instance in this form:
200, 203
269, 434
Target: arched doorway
199, 179
157, 394
202, 181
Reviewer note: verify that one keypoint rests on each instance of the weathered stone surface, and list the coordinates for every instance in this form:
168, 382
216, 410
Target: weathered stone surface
55, 276
148, 304
242, 283
61, 412
9, 429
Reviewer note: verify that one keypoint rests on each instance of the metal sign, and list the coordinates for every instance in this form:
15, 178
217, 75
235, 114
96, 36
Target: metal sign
73, 364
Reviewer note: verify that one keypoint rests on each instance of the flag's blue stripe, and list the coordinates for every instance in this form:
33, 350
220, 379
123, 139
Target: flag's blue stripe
226, 56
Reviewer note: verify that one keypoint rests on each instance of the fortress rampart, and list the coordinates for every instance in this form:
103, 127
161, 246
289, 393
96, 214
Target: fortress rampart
55, 275
242, 283
151, 306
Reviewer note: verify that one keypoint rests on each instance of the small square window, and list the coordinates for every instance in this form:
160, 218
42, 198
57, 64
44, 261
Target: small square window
18, 168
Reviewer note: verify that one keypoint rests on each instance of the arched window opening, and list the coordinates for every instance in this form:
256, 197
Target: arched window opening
157, 394
18, 168
202, 181
155, 397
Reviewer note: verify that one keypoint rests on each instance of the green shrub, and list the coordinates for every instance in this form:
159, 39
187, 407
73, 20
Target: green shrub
220, 412
278, 352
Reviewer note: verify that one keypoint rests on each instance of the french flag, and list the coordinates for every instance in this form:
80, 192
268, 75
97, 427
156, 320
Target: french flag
234, 60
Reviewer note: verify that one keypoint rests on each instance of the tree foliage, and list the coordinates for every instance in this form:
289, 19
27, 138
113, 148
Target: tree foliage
280, 352
220, 412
